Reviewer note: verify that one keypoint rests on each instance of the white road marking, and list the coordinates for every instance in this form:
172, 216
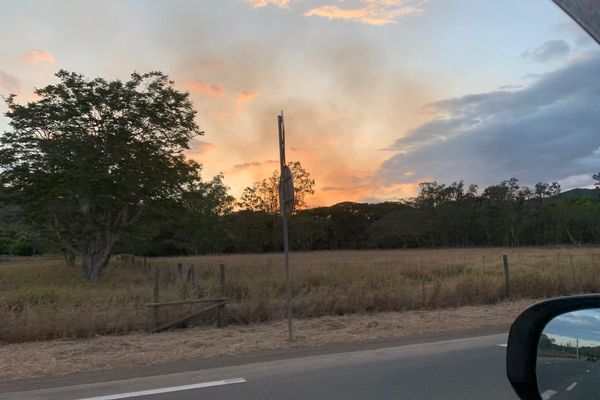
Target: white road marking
503, 345
167, 389
571, 386
548, 394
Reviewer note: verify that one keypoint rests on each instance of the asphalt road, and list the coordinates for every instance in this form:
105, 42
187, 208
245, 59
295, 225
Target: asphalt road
471, 368
568, 379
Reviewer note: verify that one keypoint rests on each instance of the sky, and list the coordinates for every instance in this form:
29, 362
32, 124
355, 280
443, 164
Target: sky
378, 95
582, 325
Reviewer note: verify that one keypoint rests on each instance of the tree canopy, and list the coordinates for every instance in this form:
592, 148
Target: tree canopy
263, 196
88, 158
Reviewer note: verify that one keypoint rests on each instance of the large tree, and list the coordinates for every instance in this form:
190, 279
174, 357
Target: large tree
263, 196
88, 158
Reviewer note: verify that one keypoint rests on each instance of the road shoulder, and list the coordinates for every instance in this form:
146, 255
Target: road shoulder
121, 357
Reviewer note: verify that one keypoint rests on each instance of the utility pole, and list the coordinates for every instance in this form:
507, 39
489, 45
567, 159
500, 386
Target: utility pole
286, 202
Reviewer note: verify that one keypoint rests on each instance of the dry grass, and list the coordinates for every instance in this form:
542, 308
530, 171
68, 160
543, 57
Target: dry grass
41, 299
23, 360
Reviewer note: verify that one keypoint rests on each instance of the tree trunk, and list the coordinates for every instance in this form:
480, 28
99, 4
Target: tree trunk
95, 261
69, 258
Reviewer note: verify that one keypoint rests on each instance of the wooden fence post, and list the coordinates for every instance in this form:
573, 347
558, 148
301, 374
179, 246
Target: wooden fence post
156, 297
221, 316
191, 276
423, 294
572, 271
506, 275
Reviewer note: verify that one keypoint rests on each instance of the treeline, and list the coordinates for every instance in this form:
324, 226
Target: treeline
549, 348
440, 216
455, 215
96, 167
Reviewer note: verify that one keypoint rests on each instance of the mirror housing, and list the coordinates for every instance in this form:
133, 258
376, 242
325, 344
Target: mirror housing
521, 352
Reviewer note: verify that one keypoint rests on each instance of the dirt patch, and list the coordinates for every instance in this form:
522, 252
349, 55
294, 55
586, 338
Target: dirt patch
58, 357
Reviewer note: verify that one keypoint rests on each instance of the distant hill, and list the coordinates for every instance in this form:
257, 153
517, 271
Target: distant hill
580, 193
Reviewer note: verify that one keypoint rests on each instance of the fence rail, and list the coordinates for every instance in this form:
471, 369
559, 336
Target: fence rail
218, 303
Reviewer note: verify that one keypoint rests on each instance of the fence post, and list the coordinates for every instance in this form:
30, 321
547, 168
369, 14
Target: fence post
483, 269
179, 272
506, 275
572, 271
156, 297
423, 294
221, 317
192, 277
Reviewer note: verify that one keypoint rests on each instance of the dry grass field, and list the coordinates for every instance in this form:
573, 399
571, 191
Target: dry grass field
41, 298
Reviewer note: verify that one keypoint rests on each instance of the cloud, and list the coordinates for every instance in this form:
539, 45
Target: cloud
370, 12
245, 96
37, 56
264, 3
510, 87
246, 165
203, 88
201, 147
9, 83
549, 51
237, 104
546, 131
251, 164
583, 324
571, 29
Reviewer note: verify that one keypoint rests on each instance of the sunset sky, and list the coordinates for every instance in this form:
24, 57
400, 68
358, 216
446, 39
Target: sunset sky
379, 95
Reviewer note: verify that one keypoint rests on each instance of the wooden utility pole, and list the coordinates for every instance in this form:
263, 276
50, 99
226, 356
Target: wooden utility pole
286, 202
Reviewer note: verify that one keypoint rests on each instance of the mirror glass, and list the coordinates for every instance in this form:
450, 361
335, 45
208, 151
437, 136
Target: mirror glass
568, 354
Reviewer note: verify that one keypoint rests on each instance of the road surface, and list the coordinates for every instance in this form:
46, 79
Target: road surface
470, 368
568, 379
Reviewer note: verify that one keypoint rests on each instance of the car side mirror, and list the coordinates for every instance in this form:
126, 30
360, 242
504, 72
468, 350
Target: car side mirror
553, 347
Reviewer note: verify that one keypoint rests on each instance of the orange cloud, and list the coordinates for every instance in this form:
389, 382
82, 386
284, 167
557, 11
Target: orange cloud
241, 99
203, 88
263, 3
37, 56
370, 12
244, 97
205, 147
200, 148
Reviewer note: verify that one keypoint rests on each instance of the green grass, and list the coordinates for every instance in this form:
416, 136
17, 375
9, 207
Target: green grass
41, 298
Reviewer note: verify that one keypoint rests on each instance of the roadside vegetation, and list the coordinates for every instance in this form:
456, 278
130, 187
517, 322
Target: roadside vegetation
42, 298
